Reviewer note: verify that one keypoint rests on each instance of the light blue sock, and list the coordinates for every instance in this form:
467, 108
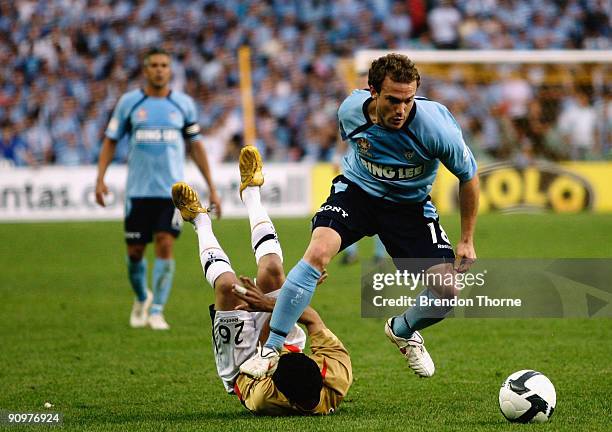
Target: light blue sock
379, 248
137, 272
419, 317
293, 298
163, 274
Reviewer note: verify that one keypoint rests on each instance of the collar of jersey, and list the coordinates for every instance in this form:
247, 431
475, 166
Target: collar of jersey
144, 93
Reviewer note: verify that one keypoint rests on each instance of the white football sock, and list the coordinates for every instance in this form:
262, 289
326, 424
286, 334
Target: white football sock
264, 240
213, 259
252, 200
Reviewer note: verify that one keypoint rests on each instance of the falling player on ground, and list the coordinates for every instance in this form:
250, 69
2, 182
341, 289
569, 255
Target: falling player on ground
314, 384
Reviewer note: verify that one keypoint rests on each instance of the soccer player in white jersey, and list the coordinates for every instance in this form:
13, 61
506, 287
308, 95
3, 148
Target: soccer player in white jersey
397, 141
161, 125
313, 384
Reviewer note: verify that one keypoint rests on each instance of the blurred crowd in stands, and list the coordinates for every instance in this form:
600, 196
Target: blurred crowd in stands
64, 64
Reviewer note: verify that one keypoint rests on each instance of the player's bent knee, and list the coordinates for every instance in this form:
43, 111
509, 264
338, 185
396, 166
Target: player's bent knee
319, 255
224, 289
164, 243
135, 252
224, 296
443, 284
269, 282
324, 245
271, 266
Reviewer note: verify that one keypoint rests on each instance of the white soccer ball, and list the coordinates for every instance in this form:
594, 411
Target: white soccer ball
527, 396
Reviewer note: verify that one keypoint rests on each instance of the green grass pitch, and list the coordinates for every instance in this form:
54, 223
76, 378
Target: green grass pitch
64, 309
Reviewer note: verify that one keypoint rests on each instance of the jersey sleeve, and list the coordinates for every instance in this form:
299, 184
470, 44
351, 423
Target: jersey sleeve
351, 116
452, 150
343, 135
117, 125
261, 396
191, 130
333, 360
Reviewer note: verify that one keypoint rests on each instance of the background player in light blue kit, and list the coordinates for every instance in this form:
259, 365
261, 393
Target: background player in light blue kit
396, 143
161, 125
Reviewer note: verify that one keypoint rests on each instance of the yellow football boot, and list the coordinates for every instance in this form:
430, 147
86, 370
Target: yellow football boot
186, 200
250, 168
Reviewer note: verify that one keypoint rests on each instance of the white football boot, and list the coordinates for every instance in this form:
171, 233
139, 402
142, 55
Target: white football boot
262, 364
157, 322
414, 350
140, 311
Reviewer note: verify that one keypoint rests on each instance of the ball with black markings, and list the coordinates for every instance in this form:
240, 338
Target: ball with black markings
527, 396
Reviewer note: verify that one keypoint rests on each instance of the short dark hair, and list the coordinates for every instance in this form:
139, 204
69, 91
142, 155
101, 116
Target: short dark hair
397, 67
298, 377
154, 51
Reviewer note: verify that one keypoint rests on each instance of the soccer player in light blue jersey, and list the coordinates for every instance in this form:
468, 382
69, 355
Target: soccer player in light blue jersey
397, 141
162, 126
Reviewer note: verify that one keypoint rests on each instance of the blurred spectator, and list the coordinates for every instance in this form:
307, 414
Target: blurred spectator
37, 140
13, 148
578, 125
66, 132
444, 22
606, 113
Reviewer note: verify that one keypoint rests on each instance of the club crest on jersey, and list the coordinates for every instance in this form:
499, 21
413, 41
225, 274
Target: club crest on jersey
409, 154
364, 146
141, 115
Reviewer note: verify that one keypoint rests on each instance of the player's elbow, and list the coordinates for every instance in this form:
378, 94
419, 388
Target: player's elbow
472, 181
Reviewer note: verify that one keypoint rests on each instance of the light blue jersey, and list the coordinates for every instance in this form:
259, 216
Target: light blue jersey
401, 165
157, 129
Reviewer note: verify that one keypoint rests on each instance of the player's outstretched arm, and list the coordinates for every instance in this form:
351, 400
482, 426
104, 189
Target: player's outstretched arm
256, 301
468, 201
107, 152
198, 153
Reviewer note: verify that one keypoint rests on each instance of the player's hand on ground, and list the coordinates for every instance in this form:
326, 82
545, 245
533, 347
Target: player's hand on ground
323, 277
215, 204
101, 190
255, 299
465, 256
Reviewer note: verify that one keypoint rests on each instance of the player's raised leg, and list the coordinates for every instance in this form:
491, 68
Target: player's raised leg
264, 240
333, 230
340, 222
215, 262
293, 299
